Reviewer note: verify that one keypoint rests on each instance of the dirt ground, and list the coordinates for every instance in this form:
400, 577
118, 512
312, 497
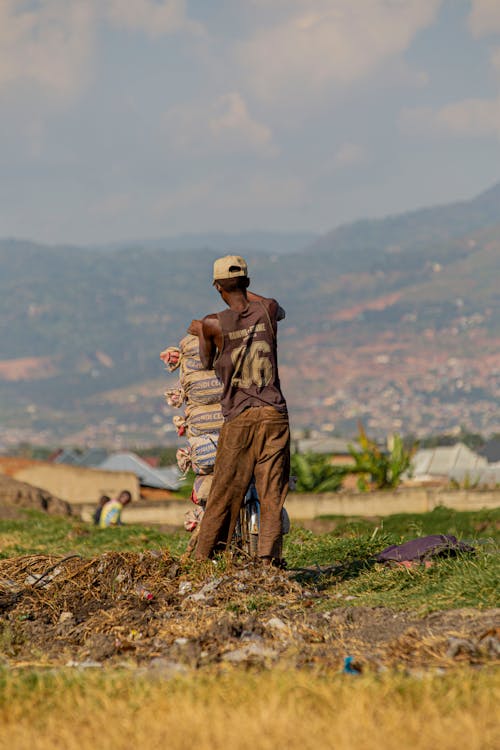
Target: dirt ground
147, 609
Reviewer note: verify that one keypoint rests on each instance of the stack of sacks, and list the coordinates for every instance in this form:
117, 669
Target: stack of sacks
202, 392
199, 391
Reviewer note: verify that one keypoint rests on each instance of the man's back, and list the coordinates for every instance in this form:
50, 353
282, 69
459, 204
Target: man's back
246, 362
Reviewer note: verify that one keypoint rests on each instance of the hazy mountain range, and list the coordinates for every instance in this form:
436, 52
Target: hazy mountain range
394, 321
225, 242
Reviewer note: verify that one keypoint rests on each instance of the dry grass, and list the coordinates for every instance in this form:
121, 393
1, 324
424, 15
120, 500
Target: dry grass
9, 540
249, 711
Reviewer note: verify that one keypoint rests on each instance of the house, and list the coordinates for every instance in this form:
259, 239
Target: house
152, 480
482, 477
90, 458
160, 479
443, 464
78, 485
336, 447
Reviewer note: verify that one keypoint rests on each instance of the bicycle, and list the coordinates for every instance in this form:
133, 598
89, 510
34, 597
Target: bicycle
246, 535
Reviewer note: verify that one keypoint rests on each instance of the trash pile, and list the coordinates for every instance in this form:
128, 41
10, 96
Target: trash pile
199, 392
150, 610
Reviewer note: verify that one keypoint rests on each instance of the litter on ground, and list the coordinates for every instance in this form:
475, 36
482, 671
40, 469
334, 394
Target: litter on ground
148, 609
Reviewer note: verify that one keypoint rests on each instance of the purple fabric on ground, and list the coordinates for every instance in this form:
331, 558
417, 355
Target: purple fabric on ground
422, 548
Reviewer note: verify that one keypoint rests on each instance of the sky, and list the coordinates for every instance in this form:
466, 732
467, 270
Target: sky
127, 119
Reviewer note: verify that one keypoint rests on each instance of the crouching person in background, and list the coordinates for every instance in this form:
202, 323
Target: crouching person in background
111, 512
96, 515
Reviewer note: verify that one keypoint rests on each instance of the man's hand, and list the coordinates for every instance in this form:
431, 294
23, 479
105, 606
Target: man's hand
195, 328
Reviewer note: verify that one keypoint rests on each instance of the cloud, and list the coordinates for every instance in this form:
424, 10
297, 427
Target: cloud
484, 18
50, 43
324, 42
113, 205
349, 154
416, 120
231, 202
155, 17
225, 125
475, 118
46, 43
470, 117
231, 120
495, 59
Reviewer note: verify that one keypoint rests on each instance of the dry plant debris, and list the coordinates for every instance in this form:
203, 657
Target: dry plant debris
150, 609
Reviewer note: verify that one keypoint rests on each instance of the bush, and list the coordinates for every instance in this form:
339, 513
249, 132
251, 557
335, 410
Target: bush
315, 473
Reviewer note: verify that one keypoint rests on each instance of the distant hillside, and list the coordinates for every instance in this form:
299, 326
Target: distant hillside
409, 234
226, 242
81, 323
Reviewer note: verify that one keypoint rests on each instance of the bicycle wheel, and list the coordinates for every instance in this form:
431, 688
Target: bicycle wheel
253, 545
246, 535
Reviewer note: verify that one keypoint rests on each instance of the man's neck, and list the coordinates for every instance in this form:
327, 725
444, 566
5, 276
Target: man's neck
237, 301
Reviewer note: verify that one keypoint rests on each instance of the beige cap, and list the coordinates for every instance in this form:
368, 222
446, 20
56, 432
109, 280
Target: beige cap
230, 266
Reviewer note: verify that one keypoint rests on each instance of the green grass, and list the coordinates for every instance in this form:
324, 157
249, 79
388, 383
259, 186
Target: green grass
358, 538
449, 584
39, 533
463, 525
464, 581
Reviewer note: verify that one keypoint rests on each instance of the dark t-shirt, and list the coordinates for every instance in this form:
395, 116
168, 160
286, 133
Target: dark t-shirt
247, 365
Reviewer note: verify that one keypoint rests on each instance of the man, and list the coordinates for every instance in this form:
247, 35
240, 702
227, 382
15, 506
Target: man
240, 344
111, 512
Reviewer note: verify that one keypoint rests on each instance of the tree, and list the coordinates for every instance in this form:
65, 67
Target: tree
383, 468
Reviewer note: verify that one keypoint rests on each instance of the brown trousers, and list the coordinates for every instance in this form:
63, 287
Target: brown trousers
255, 443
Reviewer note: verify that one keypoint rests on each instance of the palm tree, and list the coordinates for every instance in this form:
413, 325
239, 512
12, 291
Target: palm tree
384, 468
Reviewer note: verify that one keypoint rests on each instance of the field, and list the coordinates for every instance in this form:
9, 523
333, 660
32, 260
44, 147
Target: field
108, 639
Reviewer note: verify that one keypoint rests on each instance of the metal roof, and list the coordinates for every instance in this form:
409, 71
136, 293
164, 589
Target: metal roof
444, 460
482, 477
93, 457
90, 458
67, 456
325, 445
167, 479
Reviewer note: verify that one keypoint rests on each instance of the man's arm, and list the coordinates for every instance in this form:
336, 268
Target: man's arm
207, 331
